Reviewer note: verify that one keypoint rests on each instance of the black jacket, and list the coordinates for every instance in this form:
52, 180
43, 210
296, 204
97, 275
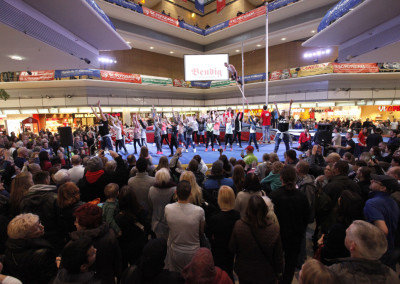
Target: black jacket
64, 277
31, 261
337, 184
108, 257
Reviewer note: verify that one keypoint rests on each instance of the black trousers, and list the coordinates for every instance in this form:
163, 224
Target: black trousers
210, 139
174, 143
164, 137
237, 135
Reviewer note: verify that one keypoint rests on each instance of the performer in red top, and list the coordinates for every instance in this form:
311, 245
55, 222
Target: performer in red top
305, 140
265, 124
362, 139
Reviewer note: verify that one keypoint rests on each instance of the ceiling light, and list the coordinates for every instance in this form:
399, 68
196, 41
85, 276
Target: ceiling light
237, 50
28, 111
383, 103
16, 57
283, 38
107, 60
11, 111
328, 51
258, 45
54, 110
313, 31
43, 110
326, 104
128, 42
171, 52
193, 15
151, 47
68, 110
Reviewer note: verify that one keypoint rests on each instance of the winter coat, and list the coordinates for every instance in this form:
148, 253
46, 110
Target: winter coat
363, 271
337, 184
91, 186
252, 263
64, 277
273, 180
307, 186
108, 257
141, 184
30, 260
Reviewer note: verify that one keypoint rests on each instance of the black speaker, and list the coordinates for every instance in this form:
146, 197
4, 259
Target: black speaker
66, 138
323, 136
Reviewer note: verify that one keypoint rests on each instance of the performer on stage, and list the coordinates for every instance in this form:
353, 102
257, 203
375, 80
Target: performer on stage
189, 136
253, 131
174, 132
119, 138
228, 133
210, 136
265, 124
136, 132
233, 73
202, 127
238, 128
103, 129
143, 131
283, 127
216, 131
164, 132
157, 131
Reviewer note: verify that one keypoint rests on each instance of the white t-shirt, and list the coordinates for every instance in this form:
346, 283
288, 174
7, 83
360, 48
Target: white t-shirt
118, 132
184, 223
76, 173
394, 125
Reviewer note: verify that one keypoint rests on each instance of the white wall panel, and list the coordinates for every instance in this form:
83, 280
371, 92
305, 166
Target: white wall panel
220, 102
210, 103
76, 101
133, 101
57, 102
188, 102
164, 102
150, 101
93, 100
32, 102
361, 94
121, 101
337, 95
315, 96
298, 97
383, 94
9, 103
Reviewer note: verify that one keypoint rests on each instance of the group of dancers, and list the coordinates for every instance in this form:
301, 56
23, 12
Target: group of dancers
186, 131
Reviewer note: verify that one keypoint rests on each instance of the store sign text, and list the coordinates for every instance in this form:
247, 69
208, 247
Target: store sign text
389, 108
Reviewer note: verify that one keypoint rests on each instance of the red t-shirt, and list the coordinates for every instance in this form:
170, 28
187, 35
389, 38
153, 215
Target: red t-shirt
266, 118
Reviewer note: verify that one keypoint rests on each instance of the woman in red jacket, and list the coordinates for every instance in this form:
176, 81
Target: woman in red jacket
362, 139
305, 140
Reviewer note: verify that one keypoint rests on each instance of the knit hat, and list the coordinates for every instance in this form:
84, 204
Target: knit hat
250, 148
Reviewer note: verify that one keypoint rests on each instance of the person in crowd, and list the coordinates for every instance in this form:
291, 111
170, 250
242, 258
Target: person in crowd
131, 159
376, 153
364, 181
150, 268
29, 257
186, 225
144, 153
337, 139
103, 128
220, 227
89, 224
350, 144
202, 166
366, 244
292, 210
214, 182
77, 259
134, 225
238, 177
283, 127
291, 157
251, 187
141, 183
162, 163
314, 272
332, 247
160, 194
110, 207
262, 168
306, 184
305, 140
265, 124
77, 171
22, 155
19, 189
256, 243
362, 139
201, 269
194, 167
45, 163
226, 165
393, 139
68, 200
272, 181
374, 139
250, 157
382, 211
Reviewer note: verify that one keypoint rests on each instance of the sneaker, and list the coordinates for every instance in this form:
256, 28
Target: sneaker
213, 149
186, 150
159, 153
194, 150
231, 149
237, 144
258, 150
154, 144
206, 150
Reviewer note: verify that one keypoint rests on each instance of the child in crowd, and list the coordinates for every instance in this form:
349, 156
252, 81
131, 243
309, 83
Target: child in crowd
111, 207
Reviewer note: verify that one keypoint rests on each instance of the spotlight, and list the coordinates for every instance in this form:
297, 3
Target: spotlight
29, 72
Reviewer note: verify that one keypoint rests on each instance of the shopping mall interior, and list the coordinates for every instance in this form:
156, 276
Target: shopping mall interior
59, 58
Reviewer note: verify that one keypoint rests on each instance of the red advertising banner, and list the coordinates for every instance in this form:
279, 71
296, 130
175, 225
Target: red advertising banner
275, 75
248, 16
120, 77
42, 75
220, 5
160, 17
177, 83
355, 68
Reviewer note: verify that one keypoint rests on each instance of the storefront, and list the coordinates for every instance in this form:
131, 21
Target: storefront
381, 112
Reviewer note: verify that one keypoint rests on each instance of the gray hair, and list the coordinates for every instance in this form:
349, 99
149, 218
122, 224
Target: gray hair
61, 177
371, 241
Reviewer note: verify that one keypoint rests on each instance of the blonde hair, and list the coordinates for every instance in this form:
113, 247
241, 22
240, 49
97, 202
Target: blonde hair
277, 167
226, 198
21, 227
196, 196
162, 176
314, 272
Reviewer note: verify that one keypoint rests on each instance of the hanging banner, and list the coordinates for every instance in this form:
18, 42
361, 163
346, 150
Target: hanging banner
275, 75
220, 5
199, 5
355, 68
253, 77
316, 69
215, 28
152, 80
120, 77
248, 16
200, 84
160, 17
99, 11
76, 72
215, 84
132, 6
279, 4
389, 67
194, 29
42, 75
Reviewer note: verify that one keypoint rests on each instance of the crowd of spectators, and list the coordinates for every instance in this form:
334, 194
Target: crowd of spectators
90, 219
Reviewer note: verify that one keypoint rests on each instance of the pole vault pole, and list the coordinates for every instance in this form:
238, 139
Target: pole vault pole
243, 77
266, 54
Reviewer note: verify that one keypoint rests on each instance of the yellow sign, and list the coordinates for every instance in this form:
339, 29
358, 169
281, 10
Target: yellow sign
317, 69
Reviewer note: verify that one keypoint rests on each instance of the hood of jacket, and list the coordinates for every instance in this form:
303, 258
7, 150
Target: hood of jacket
42, 187
90, 233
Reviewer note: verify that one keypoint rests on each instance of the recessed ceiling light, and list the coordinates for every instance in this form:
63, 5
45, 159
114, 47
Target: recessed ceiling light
16, 57
283, 38
151, 47
128, 42
237, 50
313, 32
258, 45
171, 52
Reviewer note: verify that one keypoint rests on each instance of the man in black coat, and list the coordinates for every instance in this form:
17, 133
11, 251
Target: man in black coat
374, 139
